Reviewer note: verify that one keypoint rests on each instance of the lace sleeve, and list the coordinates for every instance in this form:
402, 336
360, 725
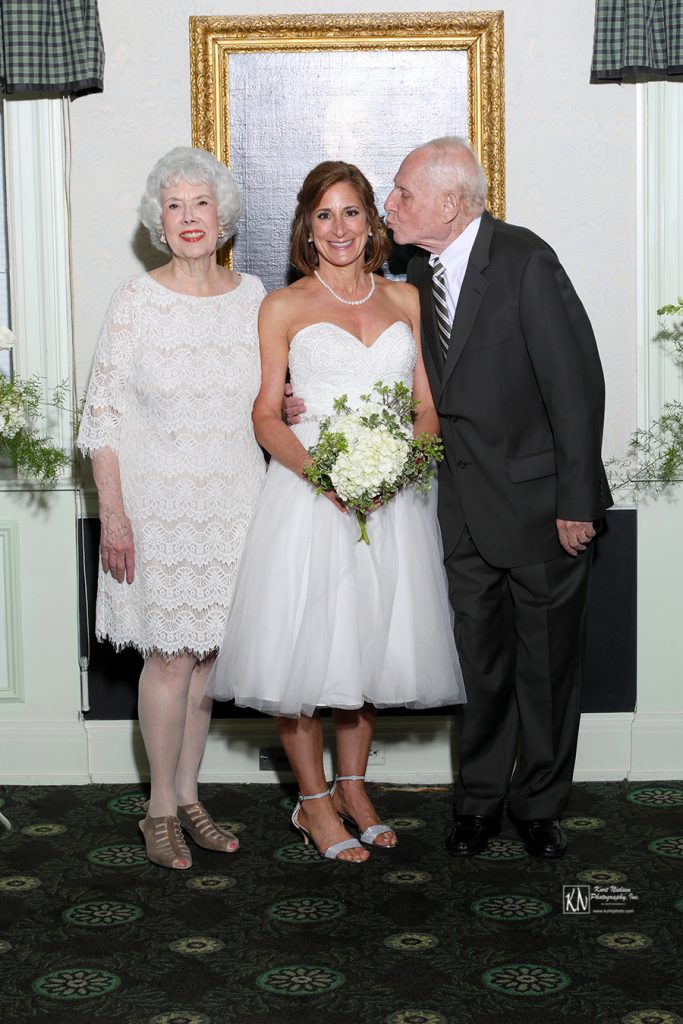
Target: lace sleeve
106, 400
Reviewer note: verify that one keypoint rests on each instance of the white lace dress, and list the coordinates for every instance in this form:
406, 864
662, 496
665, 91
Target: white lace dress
319, 619
171, 391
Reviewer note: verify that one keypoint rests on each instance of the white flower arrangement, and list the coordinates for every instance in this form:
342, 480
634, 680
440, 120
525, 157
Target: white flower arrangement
367, 455
32, 455
7, 338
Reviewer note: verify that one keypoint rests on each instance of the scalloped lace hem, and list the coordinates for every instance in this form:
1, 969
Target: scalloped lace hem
146, 650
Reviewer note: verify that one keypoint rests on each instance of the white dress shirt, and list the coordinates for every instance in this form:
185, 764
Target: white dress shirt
454, 259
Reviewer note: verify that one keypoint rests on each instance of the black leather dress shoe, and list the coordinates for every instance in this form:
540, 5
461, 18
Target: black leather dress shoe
471, 834
542, 837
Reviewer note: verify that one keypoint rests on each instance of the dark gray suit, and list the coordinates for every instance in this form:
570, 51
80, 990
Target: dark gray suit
521, 403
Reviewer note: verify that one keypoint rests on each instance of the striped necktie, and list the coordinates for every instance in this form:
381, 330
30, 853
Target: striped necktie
443, 319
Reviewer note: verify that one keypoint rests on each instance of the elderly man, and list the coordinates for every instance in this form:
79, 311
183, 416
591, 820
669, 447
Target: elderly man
517, 382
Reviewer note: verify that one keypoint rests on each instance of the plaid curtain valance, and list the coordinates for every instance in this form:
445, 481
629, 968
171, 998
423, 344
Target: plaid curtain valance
52, 46
637, 37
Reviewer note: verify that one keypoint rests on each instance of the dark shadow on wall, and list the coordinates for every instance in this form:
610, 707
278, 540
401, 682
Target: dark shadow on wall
145, 252
610, 668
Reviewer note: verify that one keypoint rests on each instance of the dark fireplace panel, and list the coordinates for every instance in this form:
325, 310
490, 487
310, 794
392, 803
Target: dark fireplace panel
610, 669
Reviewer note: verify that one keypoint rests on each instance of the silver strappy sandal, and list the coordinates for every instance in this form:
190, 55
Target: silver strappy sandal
332, 852
372, 831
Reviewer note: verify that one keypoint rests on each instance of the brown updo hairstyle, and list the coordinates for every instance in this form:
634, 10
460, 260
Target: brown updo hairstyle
302, 253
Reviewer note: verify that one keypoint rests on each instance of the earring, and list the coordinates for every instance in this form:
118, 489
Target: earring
221, 233
310, 239
162, 238
369, 234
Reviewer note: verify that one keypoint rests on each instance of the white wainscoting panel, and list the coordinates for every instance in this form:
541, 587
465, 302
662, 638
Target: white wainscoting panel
42, 739
11, 661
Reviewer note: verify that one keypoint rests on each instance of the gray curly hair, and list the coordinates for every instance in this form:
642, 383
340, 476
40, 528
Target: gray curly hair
199, 168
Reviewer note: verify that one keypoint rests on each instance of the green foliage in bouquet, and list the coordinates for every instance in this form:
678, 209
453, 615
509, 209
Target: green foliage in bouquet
367, 455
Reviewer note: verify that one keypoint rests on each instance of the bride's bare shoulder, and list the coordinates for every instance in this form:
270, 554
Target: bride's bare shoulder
285, 306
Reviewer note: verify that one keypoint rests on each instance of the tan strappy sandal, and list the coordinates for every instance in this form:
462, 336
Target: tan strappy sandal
164, 842
199, 824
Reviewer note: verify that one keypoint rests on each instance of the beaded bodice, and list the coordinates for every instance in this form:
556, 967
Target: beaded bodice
326, 361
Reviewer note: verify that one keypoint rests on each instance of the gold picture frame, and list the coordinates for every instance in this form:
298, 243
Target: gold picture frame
473, 38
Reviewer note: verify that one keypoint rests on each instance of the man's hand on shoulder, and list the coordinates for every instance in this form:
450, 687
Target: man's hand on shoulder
292, 407
574, 536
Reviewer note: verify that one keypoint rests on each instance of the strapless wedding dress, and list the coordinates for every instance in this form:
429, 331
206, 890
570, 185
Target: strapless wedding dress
318, 619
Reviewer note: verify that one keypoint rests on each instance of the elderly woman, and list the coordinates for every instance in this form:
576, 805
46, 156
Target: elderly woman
167, 423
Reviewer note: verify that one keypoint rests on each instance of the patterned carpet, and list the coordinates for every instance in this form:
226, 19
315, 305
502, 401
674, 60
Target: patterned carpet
91, 932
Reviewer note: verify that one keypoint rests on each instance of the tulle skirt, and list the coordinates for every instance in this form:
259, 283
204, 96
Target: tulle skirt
319, 619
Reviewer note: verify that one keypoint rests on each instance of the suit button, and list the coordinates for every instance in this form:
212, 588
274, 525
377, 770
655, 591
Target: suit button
462, 465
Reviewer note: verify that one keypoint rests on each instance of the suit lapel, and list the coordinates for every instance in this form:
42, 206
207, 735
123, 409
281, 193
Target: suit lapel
472, 292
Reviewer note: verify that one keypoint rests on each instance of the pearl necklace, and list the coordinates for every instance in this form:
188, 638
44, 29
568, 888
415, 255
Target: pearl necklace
348, 302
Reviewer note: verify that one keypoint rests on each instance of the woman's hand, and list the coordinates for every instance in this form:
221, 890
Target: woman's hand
116, 546
343, 507
336, 500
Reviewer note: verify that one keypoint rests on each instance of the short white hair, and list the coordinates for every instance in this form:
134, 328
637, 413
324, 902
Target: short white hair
198, 167
454, 164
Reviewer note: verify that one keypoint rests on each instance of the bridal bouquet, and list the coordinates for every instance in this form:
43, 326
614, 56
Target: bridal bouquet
368, 454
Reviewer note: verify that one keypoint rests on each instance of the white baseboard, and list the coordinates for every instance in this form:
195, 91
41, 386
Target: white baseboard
44, 753
418, 749
604, 750
657, 746
412, 750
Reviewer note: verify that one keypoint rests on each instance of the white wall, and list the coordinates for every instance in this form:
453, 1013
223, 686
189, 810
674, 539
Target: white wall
571, 176
570, 156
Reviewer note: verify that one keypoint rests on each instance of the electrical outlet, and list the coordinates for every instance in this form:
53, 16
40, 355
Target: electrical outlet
273, 759
376, 753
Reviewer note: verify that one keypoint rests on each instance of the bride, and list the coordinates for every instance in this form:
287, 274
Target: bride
317, 619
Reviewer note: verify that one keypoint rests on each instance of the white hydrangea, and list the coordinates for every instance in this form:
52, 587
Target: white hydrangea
375, 456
